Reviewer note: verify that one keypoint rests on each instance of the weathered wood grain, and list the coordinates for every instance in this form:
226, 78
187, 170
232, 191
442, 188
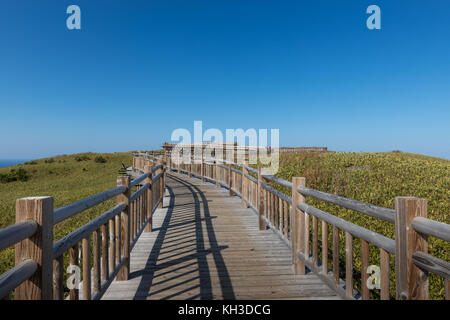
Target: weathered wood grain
38, 247
411, 281
206, 246
364, 266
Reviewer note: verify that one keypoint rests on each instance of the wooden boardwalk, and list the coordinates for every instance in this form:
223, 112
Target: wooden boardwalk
206, 246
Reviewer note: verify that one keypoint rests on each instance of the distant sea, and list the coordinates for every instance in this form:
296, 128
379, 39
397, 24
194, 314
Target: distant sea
10, 162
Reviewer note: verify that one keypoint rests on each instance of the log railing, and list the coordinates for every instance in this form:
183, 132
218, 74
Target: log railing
99, 251
299, 225
95, 253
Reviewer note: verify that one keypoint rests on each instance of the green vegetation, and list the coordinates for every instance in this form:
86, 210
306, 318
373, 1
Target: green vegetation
67, 180
100, 159
82, 158
14, 175
376, 178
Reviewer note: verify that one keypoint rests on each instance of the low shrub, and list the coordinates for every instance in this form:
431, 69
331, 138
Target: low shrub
82, 158
100, 159
14, 175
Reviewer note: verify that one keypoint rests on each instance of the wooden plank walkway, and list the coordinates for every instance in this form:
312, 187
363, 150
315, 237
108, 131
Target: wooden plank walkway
206, 246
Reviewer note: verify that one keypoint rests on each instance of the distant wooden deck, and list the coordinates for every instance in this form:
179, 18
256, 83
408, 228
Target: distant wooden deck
206, 246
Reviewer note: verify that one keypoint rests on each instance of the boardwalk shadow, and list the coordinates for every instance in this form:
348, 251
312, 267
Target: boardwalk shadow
178, 262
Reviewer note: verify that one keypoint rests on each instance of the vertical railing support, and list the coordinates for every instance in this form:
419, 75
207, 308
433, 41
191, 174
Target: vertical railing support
202, 167
164, 167
58, 278
38, 247
230, 180
149, 226
217, 173
125, 227
297, 225
262, 225
161, 183
166, 159
190, 166
244, 185
411, 281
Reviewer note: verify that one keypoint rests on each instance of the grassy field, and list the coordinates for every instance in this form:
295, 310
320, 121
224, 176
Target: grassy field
375, 178
67, 178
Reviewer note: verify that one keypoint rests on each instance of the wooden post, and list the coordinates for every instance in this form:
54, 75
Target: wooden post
149, 215
364, 264
324, 248
348, 264
86, 250
58, 278
336, 254
411, 281
202, 168
166, 159
125, 227
39, 247
161, 183
447, 289
297, 225
230, 180
244, 184
164, 166
170, 161
262, 225
105, 253
74, 261
217, 174
96, 243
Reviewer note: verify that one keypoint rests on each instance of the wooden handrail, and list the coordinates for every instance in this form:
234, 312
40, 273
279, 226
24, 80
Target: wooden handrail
17, 232
272, 207
251, 178
279, 181
33, 236
156, 178
141, 190
139, 179
76, 236
15, 276
133, 212
431, 228
156, 168
358, 231
432, 264
363, 207
276, 192
74, 208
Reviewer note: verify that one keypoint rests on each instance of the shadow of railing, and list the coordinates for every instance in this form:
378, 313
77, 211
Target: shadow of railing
184, 224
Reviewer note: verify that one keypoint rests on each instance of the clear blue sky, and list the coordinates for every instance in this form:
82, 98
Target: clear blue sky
140, 69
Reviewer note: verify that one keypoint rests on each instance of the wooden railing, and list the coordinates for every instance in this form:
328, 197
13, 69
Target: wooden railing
297, 224
39, 261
